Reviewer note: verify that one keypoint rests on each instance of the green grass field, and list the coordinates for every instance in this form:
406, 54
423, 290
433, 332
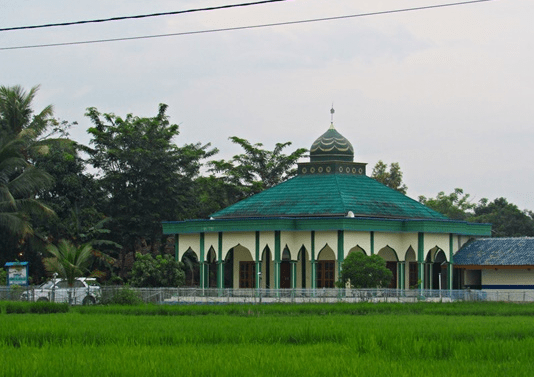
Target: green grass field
273, 340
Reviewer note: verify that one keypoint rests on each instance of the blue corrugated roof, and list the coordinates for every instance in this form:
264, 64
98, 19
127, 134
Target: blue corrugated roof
497, 252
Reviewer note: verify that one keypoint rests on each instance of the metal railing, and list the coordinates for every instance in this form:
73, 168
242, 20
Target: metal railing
321, 295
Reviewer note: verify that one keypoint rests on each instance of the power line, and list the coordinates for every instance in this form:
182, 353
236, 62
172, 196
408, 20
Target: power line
246, 27
139, 16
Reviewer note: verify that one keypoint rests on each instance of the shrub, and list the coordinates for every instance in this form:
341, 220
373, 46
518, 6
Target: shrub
122, 296
162, 271
35, 307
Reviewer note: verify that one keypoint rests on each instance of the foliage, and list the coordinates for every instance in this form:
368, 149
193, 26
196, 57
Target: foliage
68, 260
257, 169
123, 296
457, 308
74, 196
506, 218
3, 277
16, 115
391, 178
19, 182
456, 205
162, 271
15, 307
144, 176
365, 271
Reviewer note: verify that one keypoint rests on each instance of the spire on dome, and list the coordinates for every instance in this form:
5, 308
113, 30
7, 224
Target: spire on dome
332, 111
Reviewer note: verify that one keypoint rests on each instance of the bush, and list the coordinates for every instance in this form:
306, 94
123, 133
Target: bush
123, 296
162, 271
35, 308
364, 271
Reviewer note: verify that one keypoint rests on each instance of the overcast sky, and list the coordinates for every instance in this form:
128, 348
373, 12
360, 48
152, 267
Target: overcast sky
445, 92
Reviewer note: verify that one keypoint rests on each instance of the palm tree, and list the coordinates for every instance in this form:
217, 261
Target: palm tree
19, 184
16, 114
68, 261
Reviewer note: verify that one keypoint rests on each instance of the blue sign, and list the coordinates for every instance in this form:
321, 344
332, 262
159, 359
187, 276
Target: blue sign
17, 273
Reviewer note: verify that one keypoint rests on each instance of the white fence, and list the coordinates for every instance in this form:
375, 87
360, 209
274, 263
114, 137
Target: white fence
221, 296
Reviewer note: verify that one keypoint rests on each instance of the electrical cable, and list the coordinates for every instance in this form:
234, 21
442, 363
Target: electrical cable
139, 16
246, 27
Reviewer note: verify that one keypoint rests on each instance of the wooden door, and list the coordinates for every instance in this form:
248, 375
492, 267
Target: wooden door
285, 274
246, 274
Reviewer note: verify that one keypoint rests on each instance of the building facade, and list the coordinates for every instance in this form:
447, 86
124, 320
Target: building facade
297, 234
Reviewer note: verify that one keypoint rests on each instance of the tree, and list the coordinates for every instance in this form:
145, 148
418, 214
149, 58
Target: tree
456, 205
68, 260
506, 218
257, 169
162, 271
16, 114
19, 183
145, 177
24, 136
365, 271
391, 178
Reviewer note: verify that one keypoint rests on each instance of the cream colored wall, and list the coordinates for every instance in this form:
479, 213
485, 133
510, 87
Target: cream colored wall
440, 240
294, 241
460, 241
353, 239
393, 240
232, 239
507, 277
241, 254
388, 254
325, 238
186, 241
211, 240
267, 239
406, 240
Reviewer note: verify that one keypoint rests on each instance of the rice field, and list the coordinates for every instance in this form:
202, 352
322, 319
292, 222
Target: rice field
311, 340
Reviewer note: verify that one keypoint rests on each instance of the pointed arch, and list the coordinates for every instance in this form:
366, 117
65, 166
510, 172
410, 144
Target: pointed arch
192, 268
211, 270
392, 259
303, 268
245, 267
326, 268
267, 270
357, 249
411, 268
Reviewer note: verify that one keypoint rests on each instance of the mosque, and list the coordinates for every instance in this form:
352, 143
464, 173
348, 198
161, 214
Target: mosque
297, 234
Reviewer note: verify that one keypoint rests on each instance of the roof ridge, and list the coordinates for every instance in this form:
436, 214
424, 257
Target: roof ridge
342, 199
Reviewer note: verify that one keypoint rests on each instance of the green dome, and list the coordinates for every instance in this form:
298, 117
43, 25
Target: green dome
331, 146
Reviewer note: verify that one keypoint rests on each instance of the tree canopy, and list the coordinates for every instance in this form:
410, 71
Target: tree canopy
391, 178
365, 271
456, 205
161, 271
257, 169
506, 218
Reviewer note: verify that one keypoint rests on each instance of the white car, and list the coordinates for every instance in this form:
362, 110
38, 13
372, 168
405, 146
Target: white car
85, 291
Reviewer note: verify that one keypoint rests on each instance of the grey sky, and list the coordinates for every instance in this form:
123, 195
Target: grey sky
444, 92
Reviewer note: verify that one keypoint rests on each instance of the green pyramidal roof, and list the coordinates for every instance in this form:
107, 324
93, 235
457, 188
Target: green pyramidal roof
329, 195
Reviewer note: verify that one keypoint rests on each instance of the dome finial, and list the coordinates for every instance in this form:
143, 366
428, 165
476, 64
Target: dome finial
332, 111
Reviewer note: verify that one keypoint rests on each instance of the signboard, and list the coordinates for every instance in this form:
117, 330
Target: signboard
17, 273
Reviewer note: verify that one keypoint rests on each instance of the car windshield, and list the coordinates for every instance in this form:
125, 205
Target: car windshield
47, 285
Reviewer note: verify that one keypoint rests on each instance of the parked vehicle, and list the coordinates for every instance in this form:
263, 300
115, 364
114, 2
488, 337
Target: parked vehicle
85, 291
